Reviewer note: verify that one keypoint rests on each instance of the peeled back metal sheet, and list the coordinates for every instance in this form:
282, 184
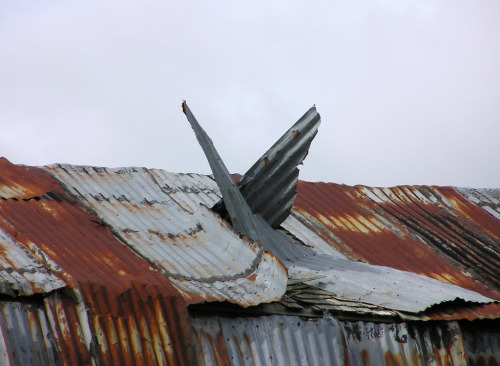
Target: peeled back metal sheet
164, 218
269, 186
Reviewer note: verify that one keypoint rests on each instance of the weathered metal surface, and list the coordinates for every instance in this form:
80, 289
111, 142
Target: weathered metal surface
269, 186
116, 309
482, 347
25, 336
291, 340
163, 217
430, 231
377, 285
242, 217
24, 269
131, 218
21, 182
486, 198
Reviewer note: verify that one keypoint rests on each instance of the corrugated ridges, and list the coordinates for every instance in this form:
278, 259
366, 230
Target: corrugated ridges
21, 182
99, 271
163, 217
487, 198
382, 286
483, 347
291, 340
24, 269
431, 231
25, 336
269, 186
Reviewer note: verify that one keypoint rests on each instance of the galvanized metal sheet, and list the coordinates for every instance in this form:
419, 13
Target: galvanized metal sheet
377, 285
25, 336
291, 340
269, 186
163, 217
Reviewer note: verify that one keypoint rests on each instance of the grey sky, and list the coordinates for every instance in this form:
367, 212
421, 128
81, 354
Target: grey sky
408, 91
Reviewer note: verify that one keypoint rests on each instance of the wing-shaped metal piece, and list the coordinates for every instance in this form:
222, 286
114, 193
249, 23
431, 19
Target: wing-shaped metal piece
239, 211
242, 217
269, 186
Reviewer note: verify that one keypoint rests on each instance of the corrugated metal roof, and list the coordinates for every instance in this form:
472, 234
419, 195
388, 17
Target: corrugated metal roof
163, 217
432, 231
486, 198
393, 289
107, 303
292, 340
154, 201
115, 306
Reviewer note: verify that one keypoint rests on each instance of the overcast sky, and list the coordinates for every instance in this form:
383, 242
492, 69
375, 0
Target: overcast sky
408, 91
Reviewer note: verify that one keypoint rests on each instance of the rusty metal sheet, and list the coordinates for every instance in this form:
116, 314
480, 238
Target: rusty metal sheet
292, 340
452, 225
486, 198
106, 281
164, 218
25, 336
20, 182
430, 231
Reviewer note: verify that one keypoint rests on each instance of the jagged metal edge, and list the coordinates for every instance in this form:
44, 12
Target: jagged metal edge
269, 186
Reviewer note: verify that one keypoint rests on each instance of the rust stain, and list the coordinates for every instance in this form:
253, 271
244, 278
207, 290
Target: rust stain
116, 283
220, 349
404, 229
365, 357
22, 182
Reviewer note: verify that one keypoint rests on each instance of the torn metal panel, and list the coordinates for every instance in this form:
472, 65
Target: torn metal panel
24, 270
381, 286
292, 340
269, 186
163, 217
242, 217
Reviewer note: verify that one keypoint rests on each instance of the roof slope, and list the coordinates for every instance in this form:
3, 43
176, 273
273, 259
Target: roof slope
109, 290
162, 216
433, 231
